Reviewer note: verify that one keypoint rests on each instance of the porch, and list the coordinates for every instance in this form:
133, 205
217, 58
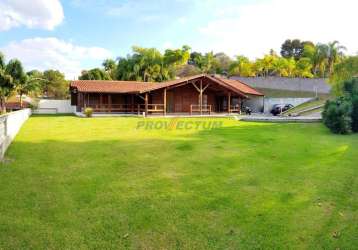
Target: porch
194, 98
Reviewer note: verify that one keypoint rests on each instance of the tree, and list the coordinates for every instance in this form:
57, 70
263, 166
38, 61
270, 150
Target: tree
334, 54
31, 84
149, 65
110, 67
341, 114
350, 88
343, 71
336, 115
22, 82
303, 68
54, 84
292, 48
11, 74
94, 74
6, 87
242, 67
223, 63
187, 70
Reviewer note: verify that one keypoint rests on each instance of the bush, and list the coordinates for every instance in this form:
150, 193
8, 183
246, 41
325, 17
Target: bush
337, 115
88, 112
355, 113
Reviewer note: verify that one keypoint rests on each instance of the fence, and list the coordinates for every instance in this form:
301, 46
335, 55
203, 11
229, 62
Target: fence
47, 106
10, 125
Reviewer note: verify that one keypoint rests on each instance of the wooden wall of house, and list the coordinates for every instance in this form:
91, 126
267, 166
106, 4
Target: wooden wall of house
184, 96
156, 97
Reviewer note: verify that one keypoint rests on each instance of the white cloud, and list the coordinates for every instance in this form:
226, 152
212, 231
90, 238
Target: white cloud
45, 14
52, 53
253, 29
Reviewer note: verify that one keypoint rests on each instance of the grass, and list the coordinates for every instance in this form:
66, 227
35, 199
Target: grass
304, 106
100, 183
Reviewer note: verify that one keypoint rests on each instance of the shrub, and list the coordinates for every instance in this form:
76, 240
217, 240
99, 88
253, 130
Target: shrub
355, 113
88, 112
337, 115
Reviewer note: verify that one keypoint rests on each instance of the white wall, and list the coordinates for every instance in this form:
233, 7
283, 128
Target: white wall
46, 106
269, 102
256, 103
10, 125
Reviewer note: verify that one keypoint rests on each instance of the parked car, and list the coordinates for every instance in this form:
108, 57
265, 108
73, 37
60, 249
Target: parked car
279, 108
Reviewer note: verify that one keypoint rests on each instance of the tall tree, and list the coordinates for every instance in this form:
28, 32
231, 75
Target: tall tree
223, 63
149, 65
344, 71
11, 75
54, 84
292, 48
110, 67
94, 74
334, 54
242, 67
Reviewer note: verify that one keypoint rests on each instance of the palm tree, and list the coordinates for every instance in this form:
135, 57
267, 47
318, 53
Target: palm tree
6, 83
242, 67
320, 59
110, 67
334, 54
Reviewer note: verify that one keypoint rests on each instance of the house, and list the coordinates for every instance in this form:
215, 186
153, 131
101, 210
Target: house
200, 94
13, 103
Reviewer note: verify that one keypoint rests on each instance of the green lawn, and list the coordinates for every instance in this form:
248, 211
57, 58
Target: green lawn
306, 105
100, 183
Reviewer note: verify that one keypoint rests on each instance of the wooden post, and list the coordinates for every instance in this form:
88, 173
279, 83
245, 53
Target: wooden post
165, 100
229, 102
146, 103
201, 97
132, 103
109, 102
79, 102
85, 100
101, 101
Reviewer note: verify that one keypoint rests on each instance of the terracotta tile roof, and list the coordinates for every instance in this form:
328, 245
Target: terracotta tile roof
111, 86
99, 86
241, 86
105, 86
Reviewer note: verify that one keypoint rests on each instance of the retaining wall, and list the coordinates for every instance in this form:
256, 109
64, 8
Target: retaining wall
10, 125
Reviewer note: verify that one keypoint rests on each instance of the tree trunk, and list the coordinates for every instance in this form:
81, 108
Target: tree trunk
2, 105
20, 100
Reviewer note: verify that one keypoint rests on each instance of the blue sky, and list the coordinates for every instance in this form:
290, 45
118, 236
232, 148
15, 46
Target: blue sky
73, 35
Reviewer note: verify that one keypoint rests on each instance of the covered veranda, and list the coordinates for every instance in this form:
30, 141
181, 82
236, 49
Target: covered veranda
199, 95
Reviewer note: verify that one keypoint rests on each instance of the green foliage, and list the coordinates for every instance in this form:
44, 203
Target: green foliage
149, 65
344, 71
110, 67
95, 74
242, 67
342, 114
292, 48
11, 75
351, 91
355, 113
54, 84
88, 112
303, 68
337, 115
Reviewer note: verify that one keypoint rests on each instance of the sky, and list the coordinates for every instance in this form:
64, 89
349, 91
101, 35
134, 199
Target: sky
74, 35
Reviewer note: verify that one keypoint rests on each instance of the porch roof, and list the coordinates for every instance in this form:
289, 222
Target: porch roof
105, 86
